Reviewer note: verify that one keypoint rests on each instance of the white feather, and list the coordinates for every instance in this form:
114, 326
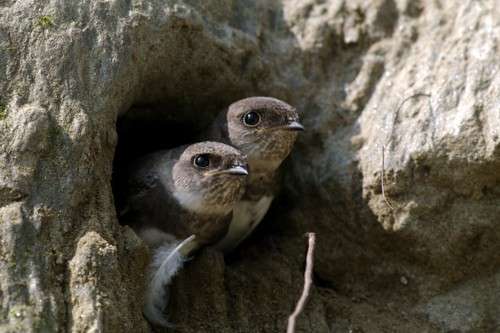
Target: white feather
167, 261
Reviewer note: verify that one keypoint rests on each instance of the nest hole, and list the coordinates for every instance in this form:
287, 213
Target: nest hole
145, 128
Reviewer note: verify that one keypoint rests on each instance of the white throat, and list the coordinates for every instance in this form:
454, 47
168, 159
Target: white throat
196, 203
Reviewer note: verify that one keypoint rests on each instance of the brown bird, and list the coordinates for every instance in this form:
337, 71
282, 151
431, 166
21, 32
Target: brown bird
179, 200
265, 130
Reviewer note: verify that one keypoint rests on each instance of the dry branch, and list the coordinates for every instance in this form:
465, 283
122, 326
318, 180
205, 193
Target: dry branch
307, 284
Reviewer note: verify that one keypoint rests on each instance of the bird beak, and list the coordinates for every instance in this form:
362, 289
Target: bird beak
294, 126
236, 170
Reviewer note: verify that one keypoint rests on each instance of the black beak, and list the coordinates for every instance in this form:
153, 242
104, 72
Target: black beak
294, 126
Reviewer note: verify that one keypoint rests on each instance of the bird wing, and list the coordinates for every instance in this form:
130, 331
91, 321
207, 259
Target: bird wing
145, 189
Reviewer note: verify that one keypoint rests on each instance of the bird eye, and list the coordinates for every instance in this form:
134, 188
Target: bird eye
201, 161
251, 118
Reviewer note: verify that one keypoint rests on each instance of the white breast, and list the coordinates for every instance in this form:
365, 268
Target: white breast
246, 216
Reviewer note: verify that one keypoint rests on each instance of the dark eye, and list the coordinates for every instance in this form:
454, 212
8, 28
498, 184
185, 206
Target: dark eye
251, 118
201, 161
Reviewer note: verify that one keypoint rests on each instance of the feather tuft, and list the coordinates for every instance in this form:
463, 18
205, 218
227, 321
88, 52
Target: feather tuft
167, 261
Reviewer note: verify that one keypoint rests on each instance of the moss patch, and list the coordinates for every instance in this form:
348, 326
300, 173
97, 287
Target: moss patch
3, 111
45, 21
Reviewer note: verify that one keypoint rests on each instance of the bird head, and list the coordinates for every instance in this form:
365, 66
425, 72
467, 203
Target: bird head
209, 177
264, 129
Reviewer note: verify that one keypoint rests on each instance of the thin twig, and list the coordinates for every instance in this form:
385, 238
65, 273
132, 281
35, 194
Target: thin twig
307, 284
382, 180
419, 94
396, 114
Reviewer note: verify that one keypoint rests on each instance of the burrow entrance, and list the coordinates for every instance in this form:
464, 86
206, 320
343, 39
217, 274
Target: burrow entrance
145, 128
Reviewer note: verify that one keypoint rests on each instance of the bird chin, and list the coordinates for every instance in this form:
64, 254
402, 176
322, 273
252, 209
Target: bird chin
267, 156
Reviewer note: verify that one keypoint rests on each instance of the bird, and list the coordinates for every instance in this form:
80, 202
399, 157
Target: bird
178, 201
265, 130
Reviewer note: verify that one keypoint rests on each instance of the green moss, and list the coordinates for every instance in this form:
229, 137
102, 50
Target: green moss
3, 111
45, 21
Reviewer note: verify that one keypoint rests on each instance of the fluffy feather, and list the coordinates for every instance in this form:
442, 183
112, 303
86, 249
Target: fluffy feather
167, 261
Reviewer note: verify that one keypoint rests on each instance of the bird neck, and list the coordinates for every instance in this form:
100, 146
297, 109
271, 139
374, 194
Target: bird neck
259, 167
